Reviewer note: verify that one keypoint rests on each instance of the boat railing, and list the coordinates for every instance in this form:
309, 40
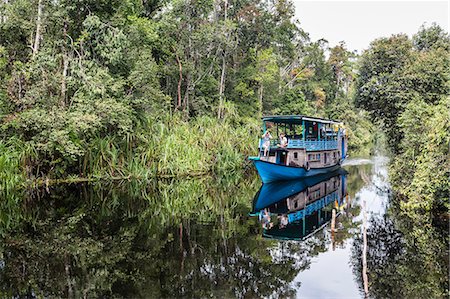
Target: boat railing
309, 145
313, 207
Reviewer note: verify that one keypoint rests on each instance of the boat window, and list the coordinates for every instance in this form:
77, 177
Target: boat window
315, 194
314, 157
295, 155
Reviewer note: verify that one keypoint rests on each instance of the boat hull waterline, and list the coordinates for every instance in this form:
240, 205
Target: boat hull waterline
271, 172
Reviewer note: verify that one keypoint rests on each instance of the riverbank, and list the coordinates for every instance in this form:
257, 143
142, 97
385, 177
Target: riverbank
167, 148
419, 171
159, 148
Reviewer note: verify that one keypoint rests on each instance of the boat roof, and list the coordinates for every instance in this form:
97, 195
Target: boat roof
297, 119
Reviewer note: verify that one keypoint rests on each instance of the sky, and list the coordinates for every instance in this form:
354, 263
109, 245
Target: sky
360, 22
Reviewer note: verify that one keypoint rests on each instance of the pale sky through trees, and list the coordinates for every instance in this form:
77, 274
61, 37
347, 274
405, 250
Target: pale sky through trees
360, 22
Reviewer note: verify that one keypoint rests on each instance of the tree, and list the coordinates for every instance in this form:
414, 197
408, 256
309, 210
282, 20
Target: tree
266, 76
433, 37
342, 68
379, 87
393, 73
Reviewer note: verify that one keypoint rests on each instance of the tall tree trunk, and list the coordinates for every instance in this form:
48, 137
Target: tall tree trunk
3, 17
180, 69
188, 55
37, 37
69, 280
261, 91
186, 93
65, 68
338, 82
224, 59
222, 85
347, 86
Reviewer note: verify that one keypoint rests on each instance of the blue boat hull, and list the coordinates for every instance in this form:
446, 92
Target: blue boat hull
271, 172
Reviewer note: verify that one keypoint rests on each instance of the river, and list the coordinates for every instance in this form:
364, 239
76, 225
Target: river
335, 236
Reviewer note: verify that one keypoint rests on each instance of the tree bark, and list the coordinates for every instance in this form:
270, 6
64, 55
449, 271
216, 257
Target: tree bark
222, 86
38, 37
69, 281
224, 56
188, 55
261, 91
3, 17
65, 68
180, 69
186, 93
338, 82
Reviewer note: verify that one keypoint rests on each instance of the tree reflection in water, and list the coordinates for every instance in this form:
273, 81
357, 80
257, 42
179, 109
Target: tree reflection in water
194, 238
186, 238
397, 264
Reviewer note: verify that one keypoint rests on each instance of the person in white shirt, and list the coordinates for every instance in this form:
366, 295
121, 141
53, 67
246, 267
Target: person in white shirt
283, 140
266, 142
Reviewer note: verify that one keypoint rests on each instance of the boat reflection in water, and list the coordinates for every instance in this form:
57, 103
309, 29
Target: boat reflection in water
295, 210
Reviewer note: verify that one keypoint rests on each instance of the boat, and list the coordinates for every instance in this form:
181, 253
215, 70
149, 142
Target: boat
297, 209
314, 146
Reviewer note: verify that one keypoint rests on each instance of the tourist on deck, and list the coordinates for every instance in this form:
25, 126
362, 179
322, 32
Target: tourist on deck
283, 140
266, 142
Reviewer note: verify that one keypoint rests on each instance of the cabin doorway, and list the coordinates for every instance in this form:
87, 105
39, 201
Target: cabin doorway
281, 157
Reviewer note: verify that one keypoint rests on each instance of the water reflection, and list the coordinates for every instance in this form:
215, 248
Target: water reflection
294, 210
174, 238
195, 238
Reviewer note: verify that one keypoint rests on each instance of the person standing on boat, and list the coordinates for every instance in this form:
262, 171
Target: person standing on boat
266, 142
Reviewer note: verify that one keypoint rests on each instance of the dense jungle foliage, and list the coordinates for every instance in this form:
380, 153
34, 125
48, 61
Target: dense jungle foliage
404, 85
120, 89
114, 89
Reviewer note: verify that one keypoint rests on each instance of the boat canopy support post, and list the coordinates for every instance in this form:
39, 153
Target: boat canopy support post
319, 127
303, 130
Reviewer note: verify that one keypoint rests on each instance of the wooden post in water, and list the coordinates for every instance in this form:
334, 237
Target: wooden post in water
333, 220
364, 253
304, 213
333, 227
